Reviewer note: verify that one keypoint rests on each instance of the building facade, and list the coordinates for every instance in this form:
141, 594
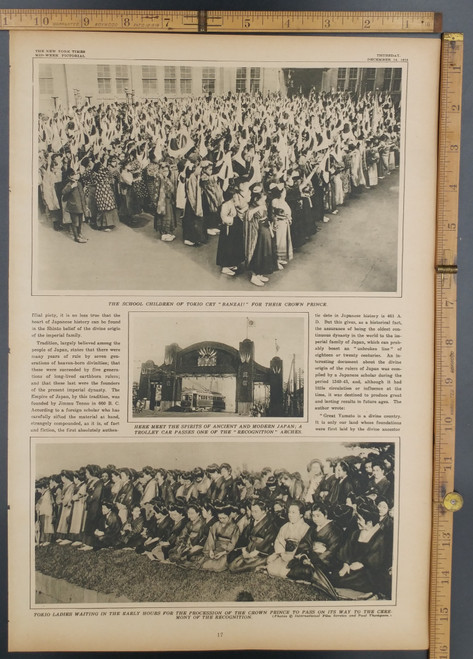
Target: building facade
65, 85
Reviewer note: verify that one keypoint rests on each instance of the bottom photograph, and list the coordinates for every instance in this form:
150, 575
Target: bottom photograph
214, 522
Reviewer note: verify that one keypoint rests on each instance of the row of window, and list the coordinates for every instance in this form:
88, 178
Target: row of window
177, 79
351, 79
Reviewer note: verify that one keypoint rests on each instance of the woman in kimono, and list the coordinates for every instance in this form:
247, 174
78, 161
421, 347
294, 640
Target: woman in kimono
107, 534
231, 247
116, 485
165, 214
93, 505
221, 540
129, 204
356, 167
133, 531
287, 541
314, 485
51, 185
45, 513
156, 530
190, 542
161, 550
259, 540
107, 214
193, 232
292, 487
281, 218
294, 201
63, 526
362, 558
88, 183
317, 555
372, 157
153, 183
127, 497
79, 499
212, 198
260, 240
387, 526
342, 486
186, 487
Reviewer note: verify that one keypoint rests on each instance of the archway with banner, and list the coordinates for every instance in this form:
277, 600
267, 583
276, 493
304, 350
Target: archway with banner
213, 377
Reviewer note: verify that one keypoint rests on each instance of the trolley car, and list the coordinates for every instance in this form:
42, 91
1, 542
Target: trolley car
199, 401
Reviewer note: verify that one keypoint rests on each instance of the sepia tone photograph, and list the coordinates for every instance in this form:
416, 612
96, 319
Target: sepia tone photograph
225, 522
217, 365
183, 177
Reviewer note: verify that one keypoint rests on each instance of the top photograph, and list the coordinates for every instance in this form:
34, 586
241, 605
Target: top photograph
217, 178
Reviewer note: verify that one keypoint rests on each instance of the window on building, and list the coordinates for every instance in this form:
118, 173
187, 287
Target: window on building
240, 80
186, 80
370, 80
46, 81
208, 80
149, 79
388, 74
122, 79
255, 79
169, 79
396, 80
104, 79
341, 80
352, 80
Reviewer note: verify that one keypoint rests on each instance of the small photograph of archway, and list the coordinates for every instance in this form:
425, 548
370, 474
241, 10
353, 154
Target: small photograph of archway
212, 364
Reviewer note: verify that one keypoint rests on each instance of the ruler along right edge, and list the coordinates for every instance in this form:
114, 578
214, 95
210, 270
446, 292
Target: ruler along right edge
445, 500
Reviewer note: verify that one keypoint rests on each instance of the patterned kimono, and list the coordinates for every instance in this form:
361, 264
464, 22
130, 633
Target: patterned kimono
107, 215
190, 542
221, 538
166, 221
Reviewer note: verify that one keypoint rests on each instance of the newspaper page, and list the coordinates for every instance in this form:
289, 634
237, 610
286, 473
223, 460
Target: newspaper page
221, 341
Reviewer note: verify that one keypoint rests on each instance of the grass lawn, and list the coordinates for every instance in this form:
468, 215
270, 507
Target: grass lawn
134, 576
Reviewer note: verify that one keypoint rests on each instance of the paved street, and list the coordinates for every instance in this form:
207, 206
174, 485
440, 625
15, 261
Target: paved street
357, 251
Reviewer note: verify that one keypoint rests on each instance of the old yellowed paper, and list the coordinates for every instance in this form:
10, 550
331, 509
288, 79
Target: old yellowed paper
221, 341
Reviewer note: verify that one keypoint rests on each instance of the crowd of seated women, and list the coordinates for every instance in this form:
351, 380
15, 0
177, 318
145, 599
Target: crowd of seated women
333, 530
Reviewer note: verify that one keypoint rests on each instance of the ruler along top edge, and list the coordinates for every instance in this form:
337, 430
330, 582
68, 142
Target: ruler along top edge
221, 21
